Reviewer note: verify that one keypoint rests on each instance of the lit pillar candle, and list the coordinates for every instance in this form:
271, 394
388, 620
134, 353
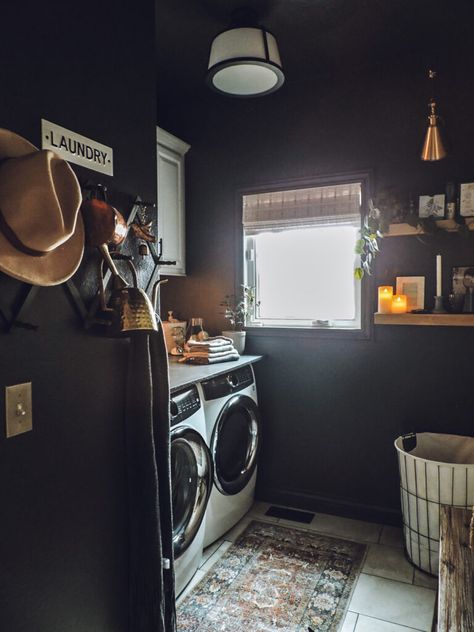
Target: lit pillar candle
399, 304
385, 299
439, 290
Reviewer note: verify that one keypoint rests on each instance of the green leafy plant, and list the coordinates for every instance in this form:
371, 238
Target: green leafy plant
429, 225
367, 247
393, 206
237, 307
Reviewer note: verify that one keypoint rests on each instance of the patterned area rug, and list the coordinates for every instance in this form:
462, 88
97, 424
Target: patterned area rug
275, 579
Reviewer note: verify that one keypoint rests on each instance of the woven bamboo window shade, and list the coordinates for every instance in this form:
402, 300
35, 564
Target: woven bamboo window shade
334, 204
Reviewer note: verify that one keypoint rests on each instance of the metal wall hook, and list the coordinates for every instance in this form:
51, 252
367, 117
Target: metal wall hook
156, 292
141, 226
140, 202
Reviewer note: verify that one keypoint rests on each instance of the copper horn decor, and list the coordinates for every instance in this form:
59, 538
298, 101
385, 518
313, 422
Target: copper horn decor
104, 224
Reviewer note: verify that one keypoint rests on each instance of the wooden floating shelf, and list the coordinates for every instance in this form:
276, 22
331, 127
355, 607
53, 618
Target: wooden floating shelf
430, 320
403, 229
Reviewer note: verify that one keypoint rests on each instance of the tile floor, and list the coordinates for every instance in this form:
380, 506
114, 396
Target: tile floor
390, 595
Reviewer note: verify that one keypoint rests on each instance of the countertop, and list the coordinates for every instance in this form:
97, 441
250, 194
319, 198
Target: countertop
182, 374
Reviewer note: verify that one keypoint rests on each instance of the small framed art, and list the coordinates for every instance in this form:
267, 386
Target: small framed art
414, 289
431, 206
463, 278
466, 199
462, 298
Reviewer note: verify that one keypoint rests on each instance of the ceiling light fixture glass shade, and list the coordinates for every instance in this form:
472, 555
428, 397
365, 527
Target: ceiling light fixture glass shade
245, 62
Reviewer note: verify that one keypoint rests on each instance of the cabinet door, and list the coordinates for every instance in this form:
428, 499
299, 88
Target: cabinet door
171, 209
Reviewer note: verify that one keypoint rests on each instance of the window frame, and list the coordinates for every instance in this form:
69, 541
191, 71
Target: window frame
367, 283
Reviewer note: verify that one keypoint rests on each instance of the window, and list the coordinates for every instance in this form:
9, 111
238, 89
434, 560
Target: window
300, 256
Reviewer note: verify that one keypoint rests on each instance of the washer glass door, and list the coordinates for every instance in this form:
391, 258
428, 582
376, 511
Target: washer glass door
235, 443
191, 483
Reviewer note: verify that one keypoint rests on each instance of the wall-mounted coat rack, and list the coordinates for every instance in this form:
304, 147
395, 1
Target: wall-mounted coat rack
141, 228
28, 294
19, 310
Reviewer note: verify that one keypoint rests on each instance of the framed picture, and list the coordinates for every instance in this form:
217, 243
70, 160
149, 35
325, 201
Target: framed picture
466, 199
414, 289
462, 298
431, 205
463, 278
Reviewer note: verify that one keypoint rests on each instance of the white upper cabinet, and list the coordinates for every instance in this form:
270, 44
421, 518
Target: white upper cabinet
171, 212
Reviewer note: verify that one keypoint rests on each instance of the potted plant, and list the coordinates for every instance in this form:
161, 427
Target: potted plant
237, 308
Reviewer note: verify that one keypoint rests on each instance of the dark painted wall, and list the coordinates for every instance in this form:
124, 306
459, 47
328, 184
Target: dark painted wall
63, 531
333, 408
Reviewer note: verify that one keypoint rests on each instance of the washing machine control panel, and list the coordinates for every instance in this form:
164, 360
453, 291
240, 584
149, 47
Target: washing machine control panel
228, 383
183, 404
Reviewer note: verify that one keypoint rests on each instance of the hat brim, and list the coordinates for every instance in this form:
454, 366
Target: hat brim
52, 268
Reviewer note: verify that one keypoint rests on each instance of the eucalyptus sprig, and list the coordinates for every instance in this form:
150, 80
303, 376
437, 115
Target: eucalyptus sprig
367, 247
237, 308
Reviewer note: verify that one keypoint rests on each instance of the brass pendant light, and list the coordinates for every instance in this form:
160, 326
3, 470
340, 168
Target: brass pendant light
433, 147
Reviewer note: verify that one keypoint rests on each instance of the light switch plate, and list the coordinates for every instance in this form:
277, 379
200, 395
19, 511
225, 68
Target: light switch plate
18, 408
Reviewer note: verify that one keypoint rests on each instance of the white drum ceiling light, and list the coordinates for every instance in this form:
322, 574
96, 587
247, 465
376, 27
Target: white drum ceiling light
245, 62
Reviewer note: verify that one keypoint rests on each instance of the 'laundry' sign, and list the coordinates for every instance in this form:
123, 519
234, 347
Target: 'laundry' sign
76, 148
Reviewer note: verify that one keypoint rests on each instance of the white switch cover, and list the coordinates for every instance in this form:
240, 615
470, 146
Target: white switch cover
19, 414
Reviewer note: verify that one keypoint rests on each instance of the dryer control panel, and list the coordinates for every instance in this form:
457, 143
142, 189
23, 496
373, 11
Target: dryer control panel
228, 383
183, 404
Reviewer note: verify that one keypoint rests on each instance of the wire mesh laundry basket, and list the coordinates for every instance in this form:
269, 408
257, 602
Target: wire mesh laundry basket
436, 469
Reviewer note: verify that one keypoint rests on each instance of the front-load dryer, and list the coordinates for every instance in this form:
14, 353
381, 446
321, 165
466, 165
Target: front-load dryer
233, 431
191, 482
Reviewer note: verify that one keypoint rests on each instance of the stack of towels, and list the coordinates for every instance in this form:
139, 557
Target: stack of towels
210, 351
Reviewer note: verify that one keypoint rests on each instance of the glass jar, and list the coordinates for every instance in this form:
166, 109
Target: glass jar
195, 331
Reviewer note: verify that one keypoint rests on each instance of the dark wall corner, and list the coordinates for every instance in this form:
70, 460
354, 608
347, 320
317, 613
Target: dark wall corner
63, 535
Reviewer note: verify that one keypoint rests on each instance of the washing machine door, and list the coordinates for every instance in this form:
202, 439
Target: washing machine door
234, 445
191, 484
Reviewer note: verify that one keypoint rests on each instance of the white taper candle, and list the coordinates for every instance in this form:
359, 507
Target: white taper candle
439, 291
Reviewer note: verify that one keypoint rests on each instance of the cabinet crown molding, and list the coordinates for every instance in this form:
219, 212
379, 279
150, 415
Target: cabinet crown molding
171, 142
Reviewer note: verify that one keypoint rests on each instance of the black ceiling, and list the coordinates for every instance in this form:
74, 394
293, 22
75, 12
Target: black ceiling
318, 37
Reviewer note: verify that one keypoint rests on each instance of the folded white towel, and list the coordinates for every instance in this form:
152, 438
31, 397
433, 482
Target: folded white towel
208, 354
191, 348
211, 343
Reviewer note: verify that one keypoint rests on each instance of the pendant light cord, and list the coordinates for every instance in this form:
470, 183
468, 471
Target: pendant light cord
432, 74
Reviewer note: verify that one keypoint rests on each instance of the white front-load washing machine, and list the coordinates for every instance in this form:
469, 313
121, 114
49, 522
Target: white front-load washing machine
233, 431
191, 482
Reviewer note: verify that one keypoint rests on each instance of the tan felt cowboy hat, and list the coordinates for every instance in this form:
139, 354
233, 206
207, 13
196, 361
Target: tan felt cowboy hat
41, 229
